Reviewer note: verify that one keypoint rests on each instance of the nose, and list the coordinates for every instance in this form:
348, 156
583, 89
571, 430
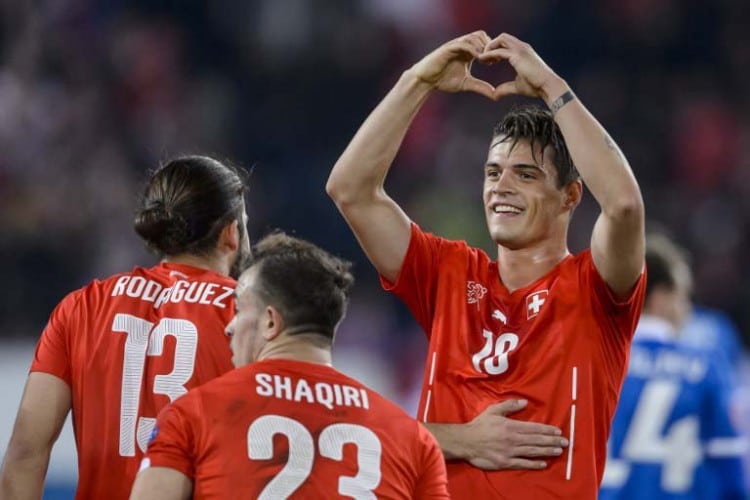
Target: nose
503, 183
229, 329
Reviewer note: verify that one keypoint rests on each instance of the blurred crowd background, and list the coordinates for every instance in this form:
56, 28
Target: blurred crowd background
93, 94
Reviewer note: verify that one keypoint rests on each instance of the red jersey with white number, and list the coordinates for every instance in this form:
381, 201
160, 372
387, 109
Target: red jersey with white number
561, 343
289, 429
127, 346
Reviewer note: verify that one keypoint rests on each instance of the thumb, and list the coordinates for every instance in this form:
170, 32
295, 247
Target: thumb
505, 89
478, 86
509, 406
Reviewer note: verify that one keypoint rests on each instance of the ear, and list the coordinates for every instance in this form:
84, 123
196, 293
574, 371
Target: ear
572, 194
272, 324
229, 238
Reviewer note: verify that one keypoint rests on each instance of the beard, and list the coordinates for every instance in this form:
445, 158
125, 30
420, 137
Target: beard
243, 260
244, 257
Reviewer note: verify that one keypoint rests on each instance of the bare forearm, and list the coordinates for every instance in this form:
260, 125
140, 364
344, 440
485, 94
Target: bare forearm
365, 162
451, 439
23, 478
603, 167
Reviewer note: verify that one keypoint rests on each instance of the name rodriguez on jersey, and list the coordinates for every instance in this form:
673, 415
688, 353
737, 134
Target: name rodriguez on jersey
193, 292
328, 395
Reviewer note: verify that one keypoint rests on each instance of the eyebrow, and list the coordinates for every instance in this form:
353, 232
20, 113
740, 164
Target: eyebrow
517, 166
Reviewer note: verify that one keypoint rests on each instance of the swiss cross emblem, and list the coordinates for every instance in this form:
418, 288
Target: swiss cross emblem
534, 303
474, 292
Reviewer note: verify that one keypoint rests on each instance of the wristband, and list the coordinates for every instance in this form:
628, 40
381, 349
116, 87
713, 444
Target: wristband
561, 101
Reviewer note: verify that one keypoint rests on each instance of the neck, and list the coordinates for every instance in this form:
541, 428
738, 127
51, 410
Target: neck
310, 347
216, 263
521, 267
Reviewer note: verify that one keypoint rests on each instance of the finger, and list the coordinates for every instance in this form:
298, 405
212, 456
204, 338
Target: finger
533, 428
466, 47
473, 84
505, 89
504, 40
494, 55
540, 441
485, 38
477, 34
522, 463
477, 44
512, 39
537, 451
477, 39
510, 405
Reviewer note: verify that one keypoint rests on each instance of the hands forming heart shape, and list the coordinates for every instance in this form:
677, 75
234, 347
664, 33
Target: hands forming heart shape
448, 68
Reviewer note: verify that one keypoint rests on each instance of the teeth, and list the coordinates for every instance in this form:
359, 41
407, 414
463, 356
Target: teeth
506, 209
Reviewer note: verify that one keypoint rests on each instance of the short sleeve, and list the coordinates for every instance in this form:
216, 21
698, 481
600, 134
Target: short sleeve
417, 281
433, 478
628, 308
52, 353
173, 441
617, 318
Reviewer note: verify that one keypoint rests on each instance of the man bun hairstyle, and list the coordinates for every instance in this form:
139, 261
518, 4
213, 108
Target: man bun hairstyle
186, 204
307, 285
536, 125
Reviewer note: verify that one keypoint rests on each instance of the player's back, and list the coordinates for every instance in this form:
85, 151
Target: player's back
290, 429
127, 346
672, 414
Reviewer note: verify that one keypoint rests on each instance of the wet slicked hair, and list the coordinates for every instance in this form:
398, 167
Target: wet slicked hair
187, 202
307, 285
537, 126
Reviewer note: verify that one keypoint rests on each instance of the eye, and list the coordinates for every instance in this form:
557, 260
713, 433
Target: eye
526, 175
493, 174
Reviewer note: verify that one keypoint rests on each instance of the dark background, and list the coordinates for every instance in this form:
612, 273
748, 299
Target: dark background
94, 94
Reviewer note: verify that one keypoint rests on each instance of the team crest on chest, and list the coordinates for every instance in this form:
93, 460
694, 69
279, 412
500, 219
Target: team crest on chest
534, 302
474, 292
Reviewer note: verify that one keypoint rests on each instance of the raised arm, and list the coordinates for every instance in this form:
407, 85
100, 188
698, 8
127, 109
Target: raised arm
618, 240
41, 415
356, 183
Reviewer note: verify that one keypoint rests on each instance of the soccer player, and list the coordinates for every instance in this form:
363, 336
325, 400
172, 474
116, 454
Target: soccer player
118, 350
285, 423
541, 331
672, 436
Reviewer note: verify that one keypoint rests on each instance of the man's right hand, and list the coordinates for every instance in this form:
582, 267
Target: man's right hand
448, 68
495, 441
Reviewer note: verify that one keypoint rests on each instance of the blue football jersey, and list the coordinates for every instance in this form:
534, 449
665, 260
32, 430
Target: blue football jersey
671, 436
712, 330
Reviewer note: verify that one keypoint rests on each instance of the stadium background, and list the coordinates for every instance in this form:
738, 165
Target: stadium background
95, 93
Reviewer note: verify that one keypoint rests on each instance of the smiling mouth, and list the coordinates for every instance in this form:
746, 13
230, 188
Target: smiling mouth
506, 209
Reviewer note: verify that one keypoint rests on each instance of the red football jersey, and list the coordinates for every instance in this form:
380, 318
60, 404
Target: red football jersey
127, 346
289, 429
561, 343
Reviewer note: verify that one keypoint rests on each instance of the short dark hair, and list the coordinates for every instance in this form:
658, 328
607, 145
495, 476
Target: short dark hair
537, 126
186, 204
664, 259
307, 285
